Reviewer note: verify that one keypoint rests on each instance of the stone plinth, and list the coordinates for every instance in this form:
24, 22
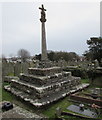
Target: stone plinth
44, 86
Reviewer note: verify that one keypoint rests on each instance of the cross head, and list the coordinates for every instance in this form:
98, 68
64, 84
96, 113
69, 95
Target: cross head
42, 8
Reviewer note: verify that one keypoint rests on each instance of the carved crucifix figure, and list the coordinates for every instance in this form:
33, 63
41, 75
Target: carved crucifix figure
43, 15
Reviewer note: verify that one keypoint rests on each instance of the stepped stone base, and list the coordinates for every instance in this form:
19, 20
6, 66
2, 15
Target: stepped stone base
44, 100
42, 86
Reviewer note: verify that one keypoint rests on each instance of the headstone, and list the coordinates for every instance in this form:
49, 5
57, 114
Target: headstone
25, 67
58, 111
17, 68
86, 112
10, 68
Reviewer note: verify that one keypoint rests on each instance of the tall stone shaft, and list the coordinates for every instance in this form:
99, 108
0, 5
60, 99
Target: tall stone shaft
44, 47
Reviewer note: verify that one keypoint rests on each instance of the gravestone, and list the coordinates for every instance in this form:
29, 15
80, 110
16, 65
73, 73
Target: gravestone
58, 111
4, 68
86, 112
17, 68
10, 68
25, 67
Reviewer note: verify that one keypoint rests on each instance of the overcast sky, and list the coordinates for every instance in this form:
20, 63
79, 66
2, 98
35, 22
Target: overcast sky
68, 26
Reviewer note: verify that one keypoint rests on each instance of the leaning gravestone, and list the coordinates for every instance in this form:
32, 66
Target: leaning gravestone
17, 68
10, 69
4, 68
25, 67
32, 63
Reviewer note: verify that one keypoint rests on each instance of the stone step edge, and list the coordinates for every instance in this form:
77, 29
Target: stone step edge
47, 76
37, 104
40, 88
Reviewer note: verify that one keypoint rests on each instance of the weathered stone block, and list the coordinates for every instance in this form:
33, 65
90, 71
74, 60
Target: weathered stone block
44, 71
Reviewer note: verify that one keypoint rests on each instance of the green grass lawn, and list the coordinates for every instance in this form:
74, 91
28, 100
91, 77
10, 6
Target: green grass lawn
6, 96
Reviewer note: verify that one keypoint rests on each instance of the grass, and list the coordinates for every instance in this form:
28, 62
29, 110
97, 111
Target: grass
66, 117
95, 86
91, 85
5, 83
5, 95
85, 81
51, 110
0, 93
10, 74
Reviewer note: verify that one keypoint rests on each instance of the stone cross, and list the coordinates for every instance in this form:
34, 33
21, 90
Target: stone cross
44, 48
43, 15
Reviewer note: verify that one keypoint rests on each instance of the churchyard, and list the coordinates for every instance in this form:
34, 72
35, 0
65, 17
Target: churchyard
58, 108
51, 89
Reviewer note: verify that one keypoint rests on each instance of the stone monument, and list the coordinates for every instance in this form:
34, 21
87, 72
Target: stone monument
44, 85
44, 48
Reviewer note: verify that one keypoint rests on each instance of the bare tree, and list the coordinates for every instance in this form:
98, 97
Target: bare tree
23, 54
